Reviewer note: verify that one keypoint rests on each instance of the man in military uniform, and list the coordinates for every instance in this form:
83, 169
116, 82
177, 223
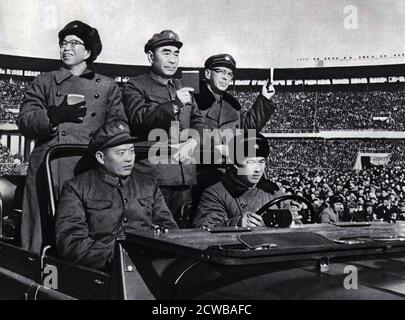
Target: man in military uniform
222, 111
242, 190
387, 211
155, 100
48, 115
100, 205
335, 212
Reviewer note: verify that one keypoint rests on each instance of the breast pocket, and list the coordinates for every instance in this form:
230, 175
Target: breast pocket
145, 207
154, 99
99, 216
146, 203
95, 206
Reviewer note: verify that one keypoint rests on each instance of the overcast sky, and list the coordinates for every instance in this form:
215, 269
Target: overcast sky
259, 33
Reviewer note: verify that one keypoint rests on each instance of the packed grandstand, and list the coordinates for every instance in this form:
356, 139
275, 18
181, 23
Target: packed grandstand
296, 111
312, 166
314, 111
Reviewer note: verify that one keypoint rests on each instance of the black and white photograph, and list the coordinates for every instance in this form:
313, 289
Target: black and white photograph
219, 151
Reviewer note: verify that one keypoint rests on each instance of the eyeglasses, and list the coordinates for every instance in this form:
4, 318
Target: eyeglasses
261, 161
73, 44
224, 72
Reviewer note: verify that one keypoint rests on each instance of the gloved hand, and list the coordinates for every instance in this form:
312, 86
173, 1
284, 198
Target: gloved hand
67, 113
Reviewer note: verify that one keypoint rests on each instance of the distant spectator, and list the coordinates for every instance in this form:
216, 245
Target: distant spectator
387, 211
11, 96
312, 111
333, 213
11, 164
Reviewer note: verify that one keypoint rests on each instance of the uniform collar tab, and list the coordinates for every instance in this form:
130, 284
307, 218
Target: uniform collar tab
111, 179
161, 80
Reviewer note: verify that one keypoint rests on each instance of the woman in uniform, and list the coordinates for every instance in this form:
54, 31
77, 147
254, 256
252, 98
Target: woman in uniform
63, 107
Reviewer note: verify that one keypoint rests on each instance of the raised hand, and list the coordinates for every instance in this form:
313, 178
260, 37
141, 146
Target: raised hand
268, 90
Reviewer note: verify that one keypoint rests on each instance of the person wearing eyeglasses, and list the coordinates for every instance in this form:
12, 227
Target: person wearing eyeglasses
63, 107
223, 112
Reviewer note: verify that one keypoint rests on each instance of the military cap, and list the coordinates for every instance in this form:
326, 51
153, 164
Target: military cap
110, 135
336, 199
369, 204
220, 60
248, 145
89, 35
164, 38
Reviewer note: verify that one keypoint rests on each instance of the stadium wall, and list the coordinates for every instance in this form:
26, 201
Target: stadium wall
116, 70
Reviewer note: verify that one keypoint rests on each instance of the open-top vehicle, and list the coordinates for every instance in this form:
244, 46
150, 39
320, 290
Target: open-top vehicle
312, 261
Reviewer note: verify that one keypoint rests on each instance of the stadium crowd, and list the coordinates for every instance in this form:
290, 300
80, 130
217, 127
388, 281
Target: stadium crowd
302, 111
339, 154
376, 193
313, 111
320, 169
11, 164
11, 96
314, 168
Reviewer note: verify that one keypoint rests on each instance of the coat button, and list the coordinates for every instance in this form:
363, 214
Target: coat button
58, 94
126, 200
96, 95
98, 80
125, 220
63, 133
93, 114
